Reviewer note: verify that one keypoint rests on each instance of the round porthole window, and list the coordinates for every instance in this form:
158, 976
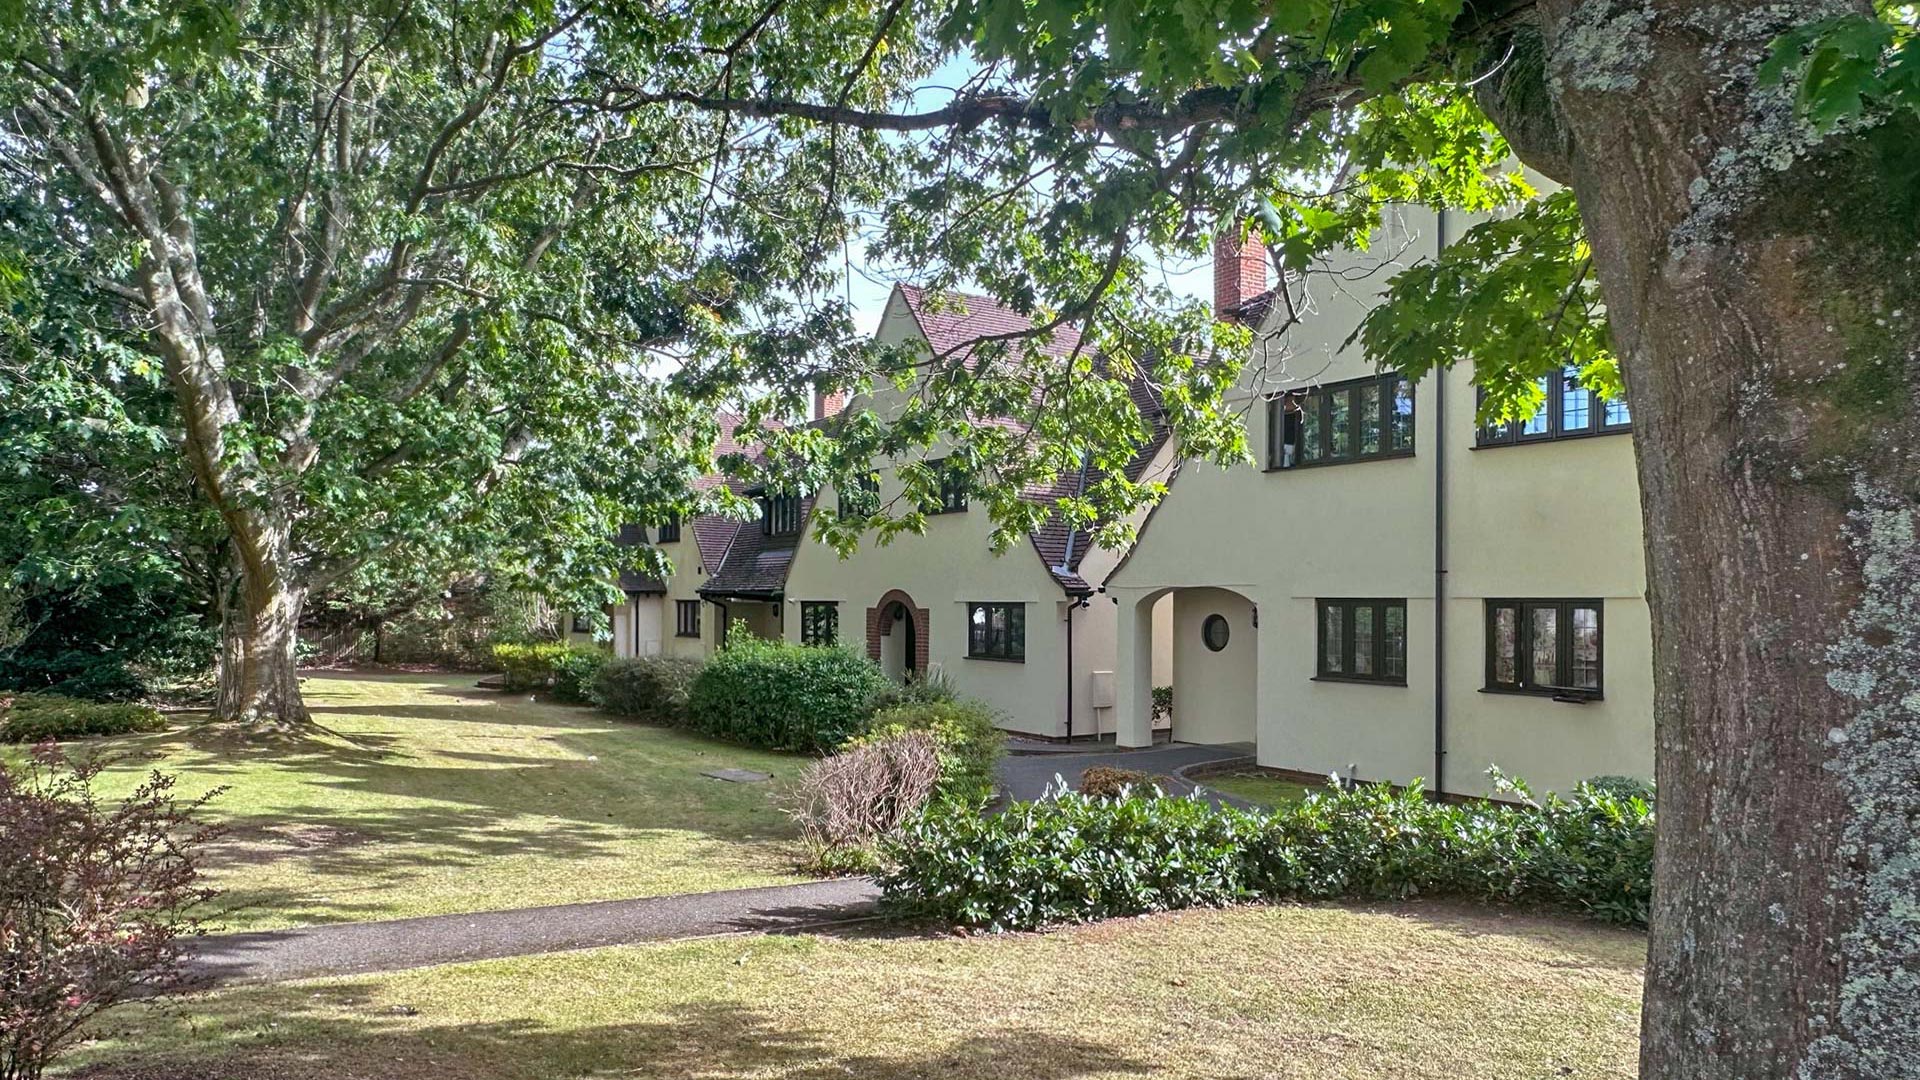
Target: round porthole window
1214, 632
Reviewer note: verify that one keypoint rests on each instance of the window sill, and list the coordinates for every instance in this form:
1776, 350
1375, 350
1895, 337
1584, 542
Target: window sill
1564, 696
1394, 455
1536, 440
688, 637
1358, 680
999, 659
944, 513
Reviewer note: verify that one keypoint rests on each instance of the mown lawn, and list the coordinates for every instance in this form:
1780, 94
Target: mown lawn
423, 796
1322, 992
1257, 788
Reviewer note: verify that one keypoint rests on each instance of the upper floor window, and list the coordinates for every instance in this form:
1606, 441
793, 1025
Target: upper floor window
1362, 641
997, 631
819, 622
583, 624
1356, 420
953, 490
862, 497
1544, 647
780, 515
1568, 410
669, 530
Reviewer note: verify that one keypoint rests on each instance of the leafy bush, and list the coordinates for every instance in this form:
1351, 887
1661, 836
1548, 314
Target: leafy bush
94, 900
1075, 858
1107, 782
575, 672
1162, 702
40, 717
810, 698
651, 688
920, 688
568, 669
847, 802
966, 732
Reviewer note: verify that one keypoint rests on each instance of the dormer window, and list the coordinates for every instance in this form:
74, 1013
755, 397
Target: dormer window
780, 515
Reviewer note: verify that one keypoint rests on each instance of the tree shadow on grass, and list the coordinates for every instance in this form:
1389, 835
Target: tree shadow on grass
1595, 944
303, 1035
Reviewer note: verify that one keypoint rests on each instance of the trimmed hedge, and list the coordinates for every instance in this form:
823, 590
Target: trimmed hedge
1075, 858
809, 698
568, 670
651, 688
38, 717
966, 732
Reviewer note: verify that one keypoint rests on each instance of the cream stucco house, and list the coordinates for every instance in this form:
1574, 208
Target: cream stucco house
1391, 590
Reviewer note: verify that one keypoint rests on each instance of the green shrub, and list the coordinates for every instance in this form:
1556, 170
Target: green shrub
575, 671
652, 688
37, 717
966, 731
1162, 702
1075, 858
797, 697
920, 688
568, 669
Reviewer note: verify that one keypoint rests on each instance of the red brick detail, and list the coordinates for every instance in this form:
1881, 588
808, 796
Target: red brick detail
1239, 270
825, 404
880, 624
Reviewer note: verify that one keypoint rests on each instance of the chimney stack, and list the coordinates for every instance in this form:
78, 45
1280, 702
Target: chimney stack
1239, 270
825, 404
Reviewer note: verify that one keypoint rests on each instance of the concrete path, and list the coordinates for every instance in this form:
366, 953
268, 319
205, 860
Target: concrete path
1027, 776
355, 948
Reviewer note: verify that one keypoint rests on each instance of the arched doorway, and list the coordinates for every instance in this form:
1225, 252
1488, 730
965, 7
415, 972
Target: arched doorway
897, 636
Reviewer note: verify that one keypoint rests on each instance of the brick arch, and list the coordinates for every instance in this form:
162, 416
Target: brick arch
880, 623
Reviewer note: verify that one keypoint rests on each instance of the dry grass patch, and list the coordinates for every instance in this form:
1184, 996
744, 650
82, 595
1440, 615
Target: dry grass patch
1321, 992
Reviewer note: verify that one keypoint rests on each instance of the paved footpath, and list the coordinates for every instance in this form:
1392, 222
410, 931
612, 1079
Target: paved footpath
356, 948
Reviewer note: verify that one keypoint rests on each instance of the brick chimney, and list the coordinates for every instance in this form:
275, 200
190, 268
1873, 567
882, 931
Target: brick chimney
1239, 269
825, 404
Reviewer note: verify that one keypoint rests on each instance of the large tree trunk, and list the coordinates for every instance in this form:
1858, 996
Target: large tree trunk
1763, 286
258, 684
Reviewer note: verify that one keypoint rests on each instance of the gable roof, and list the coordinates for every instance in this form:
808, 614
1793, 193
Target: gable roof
952, 321
755, 565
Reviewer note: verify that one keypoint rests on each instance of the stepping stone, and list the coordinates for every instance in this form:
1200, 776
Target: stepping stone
738, 776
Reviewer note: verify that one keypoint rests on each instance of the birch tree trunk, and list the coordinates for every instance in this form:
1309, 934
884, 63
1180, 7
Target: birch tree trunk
1763, 287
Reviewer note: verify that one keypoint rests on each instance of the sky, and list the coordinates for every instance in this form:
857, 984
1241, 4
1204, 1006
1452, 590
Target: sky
868, 292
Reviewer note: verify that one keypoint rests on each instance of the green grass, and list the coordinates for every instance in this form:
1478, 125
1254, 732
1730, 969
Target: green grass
1322, 992
423, 796
1257, 788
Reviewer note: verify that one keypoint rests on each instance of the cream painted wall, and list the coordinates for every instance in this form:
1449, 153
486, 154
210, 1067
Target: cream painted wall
1214, 691
952, 564
1545, 520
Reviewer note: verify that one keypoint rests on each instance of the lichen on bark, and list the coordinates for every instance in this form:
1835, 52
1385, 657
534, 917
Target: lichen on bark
1875, 664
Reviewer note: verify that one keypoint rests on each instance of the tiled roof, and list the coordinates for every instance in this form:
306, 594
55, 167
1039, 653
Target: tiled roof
756, 564
953, 320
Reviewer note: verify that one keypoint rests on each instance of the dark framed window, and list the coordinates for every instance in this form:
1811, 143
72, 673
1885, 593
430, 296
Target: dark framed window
1569, 411
583, 624
997, 631
1362, 641
862, 498
780, 515
819, 622
953, 490
686, 618
1550, 647
669, 530
1214, 632
1356, 420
